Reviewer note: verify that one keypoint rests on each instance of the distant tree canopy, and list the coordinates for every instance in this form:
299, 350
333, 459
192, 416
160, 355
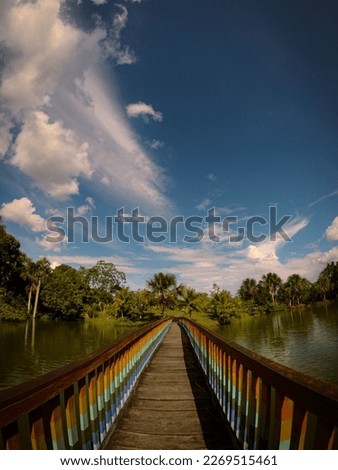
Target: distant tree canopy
31, 288
295, 290
104, 280
11, 263
65, 293
104, 277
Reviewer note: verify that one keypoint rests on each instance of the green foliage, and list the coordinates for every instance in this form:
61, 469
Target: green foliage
65, 293
327, 283
223, 307
271, 283
164, 291
251, 308
189, 300
133, 305
68, 293
248, 289
295, 291
103, 279
11, 263
14, 312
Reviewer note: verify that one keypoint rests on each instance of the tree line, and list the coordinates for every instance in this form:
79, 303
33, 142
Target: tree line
29, 289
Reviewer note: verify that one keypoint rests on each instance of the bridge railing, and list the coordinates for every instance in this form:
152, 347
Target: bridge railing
268, 406
75, 407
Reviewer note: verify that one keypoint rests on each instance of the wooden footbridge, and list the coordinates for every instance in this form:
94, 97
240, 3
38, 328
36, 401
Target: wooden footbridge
171, 385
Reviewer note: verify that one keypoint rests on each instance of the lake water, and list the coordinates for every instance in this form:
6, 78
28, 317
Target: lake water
31, 349
306, 340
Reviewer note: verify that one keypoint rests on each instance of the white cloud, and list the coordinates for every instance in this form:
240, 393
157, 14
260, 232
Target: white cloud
51, 155
121, 164
112, 44
22, 212
56, 91
202, 264
332, 231
50, 246
203, 205
155, 144
142, 109
99, 2
264, 252
40, 48
85, 208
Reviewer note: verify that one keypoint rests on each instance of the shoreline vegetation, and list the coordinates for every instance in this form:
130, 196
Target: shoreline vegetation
31, 289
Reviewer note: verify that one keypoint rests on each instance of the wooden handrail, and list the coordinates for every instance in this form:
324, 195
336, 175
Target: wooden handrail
233, 371
22, 401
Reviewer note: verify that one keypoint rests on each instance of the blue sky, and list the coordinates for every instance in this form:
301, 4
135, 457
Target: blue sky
175, 108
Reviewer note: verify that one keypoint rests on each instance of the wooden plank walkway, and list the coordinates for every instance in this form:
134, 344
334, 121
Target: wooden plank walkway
171, 407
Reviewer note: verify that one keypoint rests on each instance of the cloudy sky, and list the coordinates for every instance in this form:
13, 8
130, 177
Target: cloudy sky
160, 114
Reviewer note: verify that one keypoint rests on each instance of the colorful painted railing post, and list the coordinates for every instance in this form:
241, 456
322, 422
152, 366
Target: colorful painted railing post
76, 406
267, 405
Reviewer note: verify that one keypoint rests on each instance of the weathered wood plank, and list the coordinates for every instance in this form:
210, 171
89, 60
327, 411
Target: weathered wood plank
171, 407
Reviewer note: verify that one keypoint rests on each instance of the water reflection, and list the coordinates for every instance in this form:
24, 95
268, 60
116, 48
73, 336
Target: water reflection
304, 339
30, 349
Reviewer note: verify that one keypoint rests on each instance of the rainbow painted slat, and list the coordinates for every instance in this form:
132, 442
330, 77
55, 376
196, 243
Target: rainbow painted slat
264, 415
80, 415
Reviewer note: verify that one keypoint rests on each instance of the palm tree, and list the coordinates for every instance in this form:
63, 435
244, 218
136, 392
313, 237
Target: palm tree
120, 301
248, 289
323, 285
272, 282
330, 272
297, 289
163, 286
189, 300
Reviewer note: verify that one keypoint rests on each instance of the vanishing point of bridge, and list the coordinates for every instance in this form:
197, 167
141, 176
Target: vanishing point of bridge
171, 385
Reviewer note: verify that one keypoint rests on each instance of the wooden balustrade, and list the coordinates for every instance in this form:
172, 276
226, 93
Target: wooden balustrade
75, 407
268, 406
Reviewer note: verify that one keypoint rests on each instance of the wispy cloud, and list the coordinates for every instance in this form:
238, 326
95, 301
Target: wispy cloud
204, 204
212, 177
113, 47
203, 264
69, 123
144, 110
120, 162
87, 207
50, 246
323, 198
156, 144
99, 2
